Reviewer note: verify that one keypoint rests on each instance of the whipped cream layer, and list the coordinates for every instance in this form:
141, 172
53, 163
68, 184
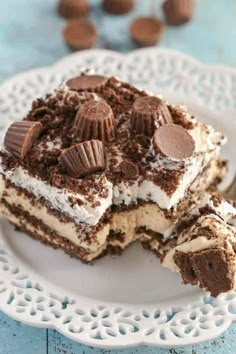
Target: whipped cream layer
59, 199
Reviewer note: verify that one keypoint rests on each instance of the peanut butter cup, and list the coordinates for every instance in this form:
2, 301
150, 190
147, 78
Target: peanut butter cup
146, 31
87, 83
73, 8
128, 169
148, 113
118, 7
80, 34
94, 120
178, 12
20, 137
84, 158
173, 141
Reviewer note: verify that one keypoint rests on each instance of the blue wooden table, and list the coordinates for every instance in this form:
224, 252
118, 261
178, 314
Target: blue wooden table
30, 36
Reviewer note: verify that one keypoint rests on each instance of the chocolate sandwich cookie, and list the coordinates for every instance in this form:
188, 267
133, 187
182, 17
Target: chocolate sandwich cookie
80, 34
118, 7
73, 8
178, 12
146, 31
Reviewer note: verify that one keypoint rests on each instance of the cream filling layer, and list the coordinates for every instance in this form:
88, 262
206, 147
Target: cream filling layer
31, 228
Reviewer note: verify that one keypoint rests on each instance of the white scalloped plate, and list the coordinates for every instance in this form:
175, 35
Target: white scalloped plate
127, 300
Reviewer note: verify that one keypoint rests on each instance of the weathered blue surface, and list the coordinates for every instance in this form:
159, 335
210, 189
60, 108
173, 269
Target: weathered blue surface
30, 36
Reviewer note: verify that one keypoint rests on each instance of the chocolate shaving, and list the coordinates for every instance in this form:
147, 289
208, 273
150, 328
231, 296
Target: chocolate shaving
20, 137
84, 158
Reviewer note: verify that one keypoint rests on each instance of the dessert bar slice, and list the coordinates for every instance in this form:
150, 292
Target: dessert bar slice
98, 163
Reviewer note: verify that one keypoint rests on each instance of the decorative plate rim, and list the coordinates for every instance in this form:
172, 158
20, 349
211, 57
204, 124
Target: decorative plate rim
123, 325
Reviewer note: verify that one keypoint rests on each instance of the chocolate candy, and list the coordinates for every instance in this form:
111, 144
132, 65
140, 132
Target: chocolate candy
84, 158
87, 83
128, 169
173, 141
80, 34
20, 137
148, 113
118, 7
178, 12
146, 31
95, 120
73, 8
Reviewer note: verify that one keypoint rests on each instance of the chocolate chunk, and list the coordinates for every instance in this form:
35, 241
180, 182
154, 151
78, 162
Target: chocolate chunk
173, 141
73, 8
94, 120
118, 7
20, 137
149, 113
214, 270
146, 31
84, 158
183, 261
128, 169
178, 12
80, 34
87, 83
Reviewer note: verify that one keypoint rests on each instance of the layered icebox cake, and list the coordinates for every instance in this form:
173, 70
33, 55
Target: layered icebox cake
99, 164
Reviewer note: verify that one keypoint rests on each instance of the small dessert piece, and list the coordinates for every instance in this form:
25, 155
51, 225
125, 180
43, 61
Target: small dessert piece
101, 172
148, 113
87, 83
84, 158
80, 34
204, 252
118, 7
20, 137
173, 141
178, 12
94, 120
73, 8
146, 31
